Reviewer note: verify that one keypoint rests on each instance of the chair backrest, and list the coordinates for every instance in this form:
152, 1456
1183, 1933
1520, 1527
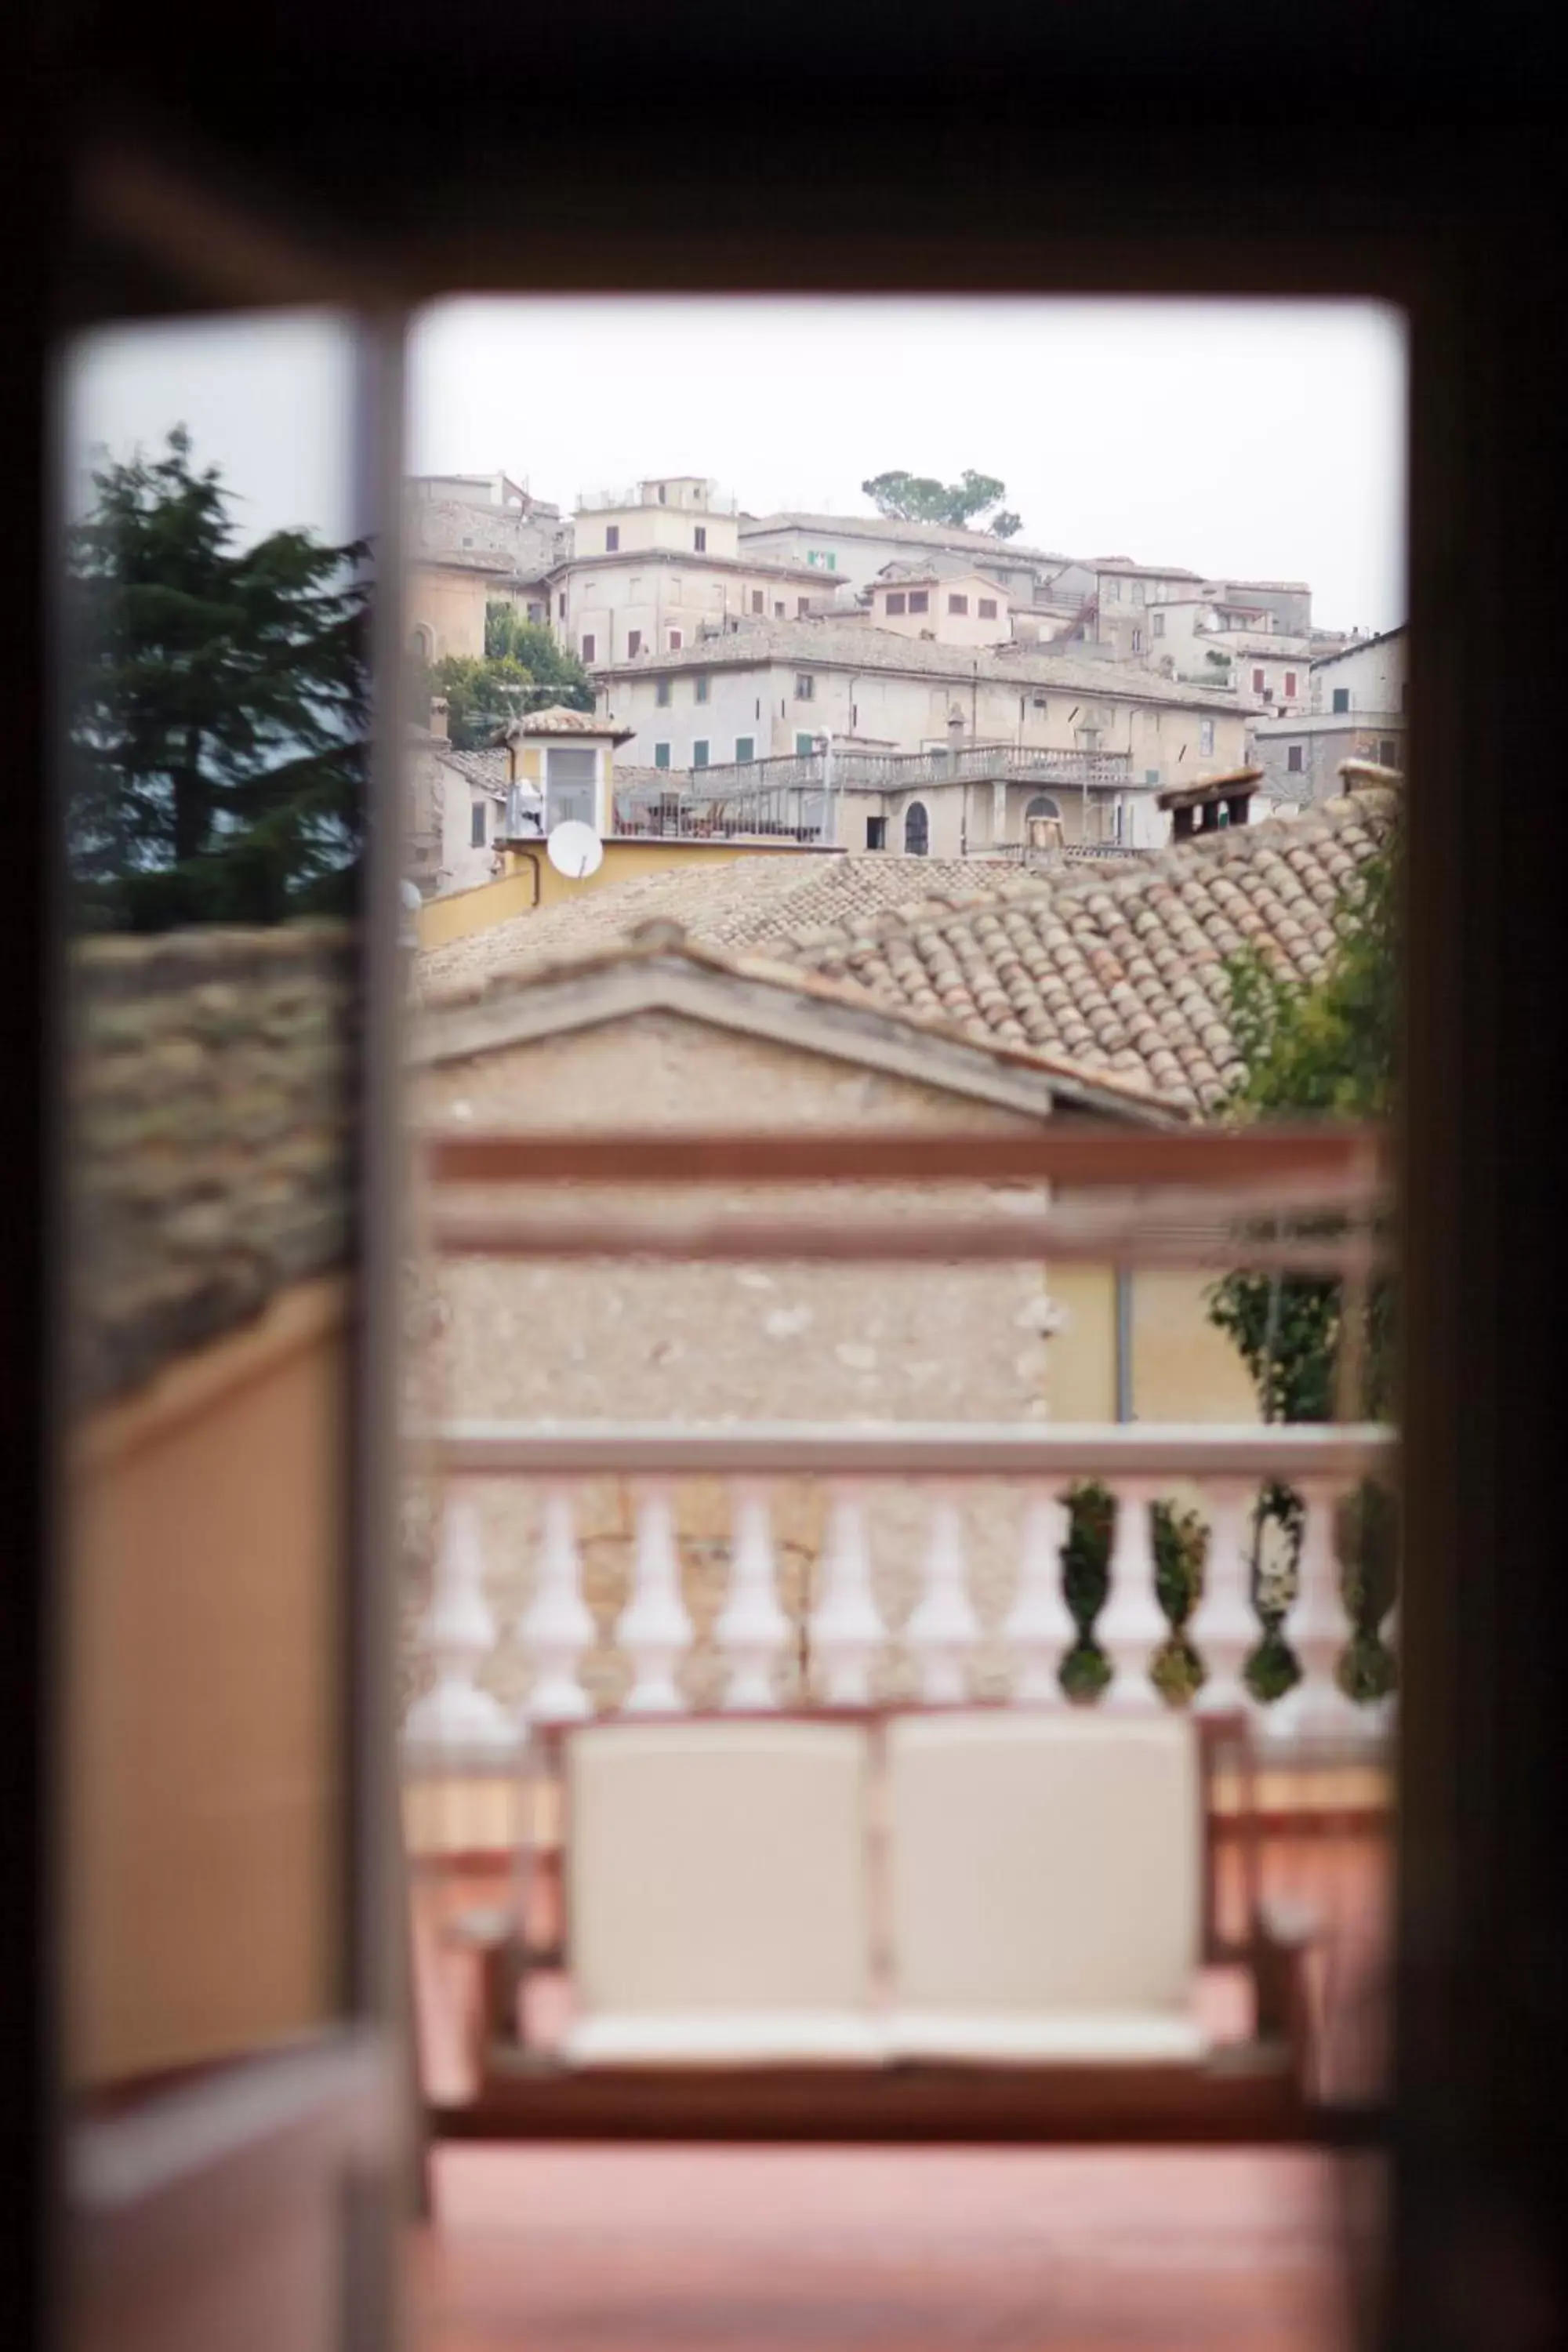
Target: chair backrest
718, 1865
1042, 1861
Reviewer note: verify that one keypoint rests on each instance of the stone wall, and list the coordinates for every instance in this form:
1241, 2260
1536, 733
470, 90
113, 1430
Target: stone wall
712, 1342
210, 1118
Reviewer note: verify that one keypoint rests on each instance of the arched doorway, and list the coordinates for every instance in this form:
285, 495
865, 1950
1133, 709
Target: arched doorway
917, 830
1043, 805
422, 644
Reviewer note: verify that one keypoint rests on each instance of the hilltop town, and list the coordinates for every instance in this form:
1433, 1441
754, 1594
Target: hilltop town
858, 683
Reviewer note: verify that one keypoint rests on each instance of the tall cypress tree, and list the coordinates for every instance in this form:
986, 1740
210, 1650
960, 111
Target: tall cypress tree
218, 705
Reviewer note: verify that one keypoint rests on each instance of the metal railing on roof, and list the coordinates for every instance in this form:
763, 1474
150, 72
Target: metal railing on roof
901, 771
646, 494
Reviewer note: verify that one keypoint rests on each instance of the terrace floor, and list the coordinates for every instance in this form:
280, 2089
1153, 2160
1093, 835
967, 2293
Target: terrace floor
673, 2249
851, 2250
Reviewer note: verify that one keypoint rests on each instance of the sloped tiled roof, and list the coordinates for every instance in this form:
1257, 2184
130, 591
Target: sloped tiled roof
925, 534
761, 901
557, 719
1122, 973
865, 648
485, 767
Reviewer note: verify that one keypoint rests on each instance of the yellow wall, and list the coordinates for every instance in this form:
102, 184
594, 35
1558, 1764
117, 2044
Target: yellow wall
203, 1855
463, 913
1182, 1368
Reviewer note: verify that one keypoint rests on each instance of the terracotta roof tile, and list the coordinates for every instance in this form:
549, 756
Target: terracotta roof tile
1125, 977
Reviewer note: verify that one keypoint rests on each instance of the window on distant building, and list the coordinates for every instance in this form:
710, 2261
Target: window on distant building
662, 755
634, 644
805, 745
477, 826
569, 771
1296, 758
663, 495
758, 600
1341, 698
805, 687
1137, 592
745, 750
561, 607
588, 645
1257, 681
958, 603
1159, 625
699, 538
988, 608
917, 830
699, 688
612, 538
536, 614
1290, 686
1388, 755
677, 639
919, 599
1206, 739
897, 601
778, 608
1113, 591
802, 606
822, 558
876, 833
1150, 775
1137, 641
661, 693
699, 754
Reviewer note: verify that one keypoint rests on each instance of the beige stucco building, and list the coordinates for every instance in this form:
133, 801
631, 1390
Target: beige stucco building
652, 567
772, 689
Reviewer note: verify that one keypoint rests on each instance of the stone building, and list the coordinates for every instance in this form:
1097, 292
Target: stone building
655, 1031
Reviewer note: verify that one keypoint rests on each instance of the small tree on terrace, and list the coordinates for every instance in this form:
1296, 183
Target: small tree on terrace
217, 707
1326, 1049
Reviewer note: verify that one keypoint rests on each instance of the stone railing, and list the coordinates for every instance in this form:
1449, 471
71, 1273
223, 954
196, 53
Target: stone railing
837, 1621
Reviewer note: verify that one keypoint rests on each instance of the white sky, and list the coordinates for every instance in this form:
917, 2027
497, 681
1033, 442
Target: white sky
1262, 440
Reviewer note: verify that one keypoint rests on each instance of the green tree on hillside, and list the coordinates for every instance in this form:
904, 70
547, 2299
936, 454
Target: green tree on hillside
920, 498
522, 669
218, 699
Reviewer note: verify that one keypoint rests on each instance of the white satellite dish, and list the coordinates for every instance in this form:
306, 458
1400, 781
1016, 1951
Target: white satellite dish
575, 850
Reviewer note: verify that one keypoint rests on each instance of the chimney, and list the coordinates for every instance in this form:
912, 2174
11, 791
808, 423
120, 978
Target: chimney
1214, 803
438, 716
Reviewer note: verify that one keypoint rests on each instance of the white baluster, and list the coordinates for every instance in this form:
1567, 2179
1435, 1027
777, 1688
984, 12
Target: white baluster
1225, 1628
1320, 1628
943, 1629
1132, 1625
751, 1629
846, 1630
556, 1626
459, 1632
1039, 1628
655, 1630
